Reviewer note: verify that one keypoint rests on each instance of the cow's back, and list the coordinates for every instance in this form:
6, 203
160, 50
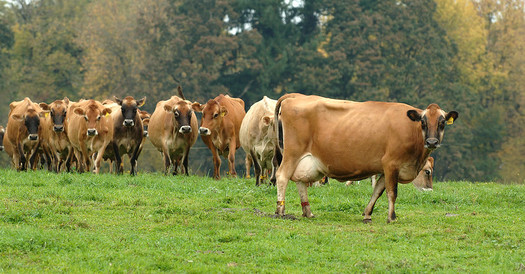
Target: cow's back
236, 113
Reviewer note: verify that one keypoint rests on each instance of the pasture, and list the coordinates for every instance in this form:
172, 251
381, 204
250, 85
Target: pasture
151, 222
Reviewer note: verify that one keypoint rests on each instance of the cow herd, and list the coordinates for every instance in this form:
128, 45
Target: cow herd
298, 137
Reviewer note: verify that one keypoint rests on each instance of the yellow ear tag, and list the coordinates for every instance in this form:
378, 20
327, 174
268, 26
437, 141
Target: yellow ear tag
450, 121
107, 114
46, 114
223, 113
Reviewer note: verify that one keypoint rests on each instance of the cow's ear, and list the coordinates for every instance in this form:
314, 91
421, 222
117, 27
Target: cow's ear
451, 117
66, 100
18, 117
143, 112
79, 111
118, 100
431, 160
141, 102
168, 108
197, 106
44, 106
145, 121
414, 115
224, 111
44, 114
106, 111
267, 120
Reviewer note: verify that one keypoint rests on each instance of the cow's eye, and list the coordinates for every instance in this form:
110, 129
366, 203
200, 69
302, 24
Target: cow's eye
423, 124
85, 117
215, 115
176, 113
98, 118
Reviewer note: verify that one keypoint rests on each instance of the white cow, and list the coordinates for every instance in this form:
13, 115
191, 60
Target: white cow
257, 136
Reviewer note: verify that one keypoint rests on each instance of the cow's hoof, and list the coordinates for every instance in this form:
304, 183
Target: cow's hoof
367, 221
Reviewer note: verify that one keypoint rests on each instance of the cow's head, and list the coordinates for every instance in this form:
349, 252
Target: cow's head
423, 180
182, 111
212, 114
144, 116
2, 133
31, 120
92, 114
58, 111
433, 120
129, 107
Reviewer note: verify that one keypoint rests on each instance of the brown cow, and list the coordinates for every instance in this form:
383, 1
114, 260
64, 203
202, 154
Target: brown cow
21, 140
220, 124
173, 129
54, 133
423, 181
128, 132
90, 130
334, 138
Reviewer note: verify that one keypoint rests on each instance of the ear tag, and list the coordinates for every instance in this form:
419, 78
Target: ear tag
223, 113
107, 114
450, 121
46, 114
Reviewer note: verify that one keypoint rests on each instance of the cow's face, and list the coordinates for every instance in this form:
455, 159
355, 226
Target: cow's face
92, 115
433, 120
129, 108
423, 180
144, 116
212, 115
58, 111
2, 133
182, 112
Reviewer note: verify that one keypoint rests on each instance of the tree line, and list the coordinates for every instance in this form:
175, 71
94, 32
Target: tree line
464, 55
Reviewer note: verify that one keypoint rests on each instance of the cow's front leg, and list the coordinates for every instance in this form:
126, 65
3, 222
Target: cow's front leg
231, 158
216, 164
378, 191
391, 191
303, 193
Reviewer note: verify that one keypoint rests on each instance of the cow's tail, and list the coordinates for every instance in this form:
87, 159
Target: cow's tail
279, 145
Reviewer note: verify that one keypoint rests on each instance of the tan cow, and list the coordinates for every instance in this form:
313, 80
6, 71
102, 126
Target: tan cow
335, 138
54, 135
173, 130
219, 130
21, 140
257, 137
90, 130
423, 181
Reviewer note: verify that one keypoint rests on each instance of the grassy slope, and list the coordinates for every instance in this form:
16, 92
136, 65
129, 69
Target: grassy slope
71, 222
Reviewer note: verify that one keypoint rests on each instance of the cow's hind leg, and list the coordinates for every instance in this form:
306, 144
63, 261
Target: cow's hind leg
303, 193
378, 191
256, 167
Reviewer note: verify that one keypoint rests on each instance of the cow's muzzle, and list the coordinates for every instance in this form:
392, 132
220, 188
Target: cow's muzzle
185, 129
58, 128
145, 133
1, 148
432, 143
33, 137
204, 131
128, 123
92, 132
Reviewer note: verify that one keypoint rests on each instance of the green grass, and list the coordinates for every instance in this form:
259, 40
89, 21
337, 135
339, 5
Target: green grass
151, 222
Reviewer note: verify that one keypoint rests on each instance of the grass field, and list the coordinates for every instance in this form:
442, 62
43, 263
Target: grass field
151, 222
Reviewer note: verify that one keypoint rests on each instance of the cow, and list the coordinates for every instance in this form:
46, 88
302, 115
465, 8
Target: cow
219, 130
173, 130
335, 138
144, 116
423, 181
21, 139
257, 137
90, 130
128, 132
2, 132
56, 142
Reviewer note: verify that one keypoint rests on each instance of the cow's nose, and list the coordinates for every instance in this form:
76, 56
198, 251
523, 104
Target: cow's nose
33, 137
128, 123
204, 131
185, 129
145, 133
432, 142
92, 132
1, 148
58, 128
